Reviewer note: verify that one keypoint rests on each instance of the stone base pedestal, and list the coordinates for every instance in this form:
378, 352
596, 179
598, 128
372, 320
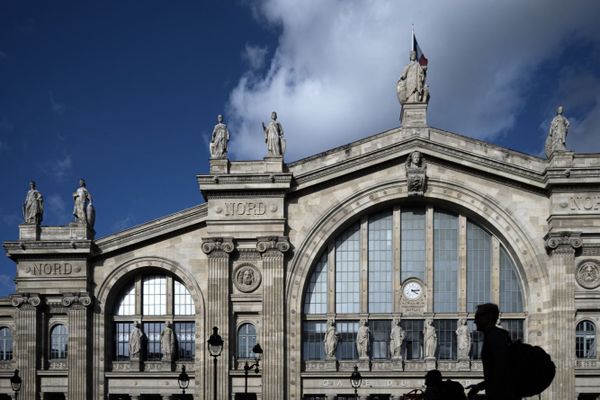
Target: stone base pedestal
135, 365
219, 166
330, 365
430, 363
167, 365
413, 115
364, 364
463, 364
29, 232
397, 364
273, 164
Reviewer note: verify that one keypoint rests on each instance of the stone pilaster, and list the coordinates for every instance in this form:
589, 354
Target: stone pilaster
273, 327
217, 309
27, 348
562, 247
77, 312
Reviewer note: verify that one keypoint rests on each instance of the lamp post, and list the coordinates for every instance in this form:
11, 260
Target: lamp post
183, 380
257, 350
356, 380
15, 383
215, 346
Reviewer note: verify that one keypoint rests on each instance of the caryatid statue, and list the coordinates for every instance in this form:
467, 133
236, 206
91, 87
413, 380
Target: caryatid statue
411, 86
363, 336
274, 137
167, 342
463, 339
396, 338
332, 337
557, 135
33, 206
135, 341
429, 339
83, 210
219, 139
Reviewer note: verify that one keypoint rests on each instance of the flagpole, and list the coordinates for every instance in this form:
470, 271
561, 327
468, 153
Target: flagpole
412, 41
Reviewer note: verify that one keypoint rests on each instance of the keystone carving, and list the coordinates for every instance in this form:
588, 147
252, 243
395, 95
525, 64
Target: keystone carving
277, 243
210, 245
31, 299
70, 299
567, 241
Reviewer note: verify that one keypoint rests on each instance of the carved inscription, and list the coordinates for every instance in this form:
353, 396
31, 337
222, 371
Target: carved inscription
50, 269
245, 208
584, 202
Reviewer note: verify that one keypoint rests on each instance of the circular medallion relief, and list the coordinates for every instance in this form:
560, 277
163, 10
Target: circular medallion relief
588, 274
246, 278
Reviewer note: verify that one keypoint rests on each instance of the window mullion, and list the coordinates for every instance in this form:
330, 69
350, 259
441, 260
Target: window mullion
364, 262
396, 242
429, 257
495, 284
462, 264
169, 294
331, 280
138, 295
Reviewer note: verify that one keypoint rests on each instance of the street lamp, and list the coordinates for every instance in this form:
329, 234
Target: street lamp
257, 350
215, 346
183, 379
356, 380
15, 383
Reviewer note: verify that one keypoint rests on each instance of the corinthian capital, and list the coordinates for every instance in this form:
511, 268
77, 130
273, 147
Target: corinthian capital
25, 299
567, 241
276, 243
210, 245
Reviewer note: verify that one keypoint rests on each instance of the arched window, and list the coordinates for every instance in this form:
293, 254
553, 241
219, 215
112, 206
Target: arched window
6, 344
585, 340
246, 341
153, 299
59, 337
423, 260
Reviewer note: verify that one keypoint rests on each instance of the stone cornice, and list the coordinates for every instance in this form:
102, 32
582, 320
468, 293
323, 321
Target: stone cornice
269, 244
25, 300
217, 246
563, 241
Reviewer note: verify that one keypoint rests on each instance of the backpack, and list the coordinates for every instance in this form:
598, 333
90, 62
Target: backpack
452, 390
532, 369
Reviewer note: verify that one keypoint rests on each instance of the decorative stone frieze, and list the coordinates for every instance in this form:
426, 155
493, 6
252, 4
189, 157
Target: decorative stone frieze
588, 274
214, 247
247, 278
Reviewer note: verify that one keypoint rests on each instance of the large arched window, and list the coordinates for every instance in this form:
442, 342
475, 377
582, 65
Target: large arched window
154, 299
410, 261
585, 340
246, 341
6, 344
59, 337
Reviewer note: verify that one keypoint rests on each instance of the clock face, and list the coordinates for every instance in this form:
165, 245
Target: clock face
413, 290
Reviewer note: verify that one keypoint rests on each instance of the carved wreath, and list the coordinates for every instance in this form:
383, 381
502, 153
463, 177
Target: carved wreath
588, 275
246, 278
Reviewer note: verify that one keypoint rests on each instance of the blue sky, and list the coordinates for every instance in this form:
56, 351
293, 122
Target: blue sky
125, 93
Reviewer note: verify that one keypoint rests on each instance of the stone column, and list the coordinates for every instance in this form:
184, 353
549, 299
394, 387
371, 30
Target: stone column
27, 348
77, 312
562, 246
217, 310
273, 335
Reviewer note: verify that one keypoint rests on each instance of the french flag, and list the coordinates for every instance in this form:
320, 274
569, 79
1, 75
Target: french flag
415, 47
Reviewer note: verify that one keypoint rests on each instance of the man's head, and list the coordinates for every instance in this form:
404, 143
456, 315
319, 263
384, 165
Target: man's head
486, 316
413, 55
559, 110
433, 378
416, 157
274, 116
31, 184
219, 118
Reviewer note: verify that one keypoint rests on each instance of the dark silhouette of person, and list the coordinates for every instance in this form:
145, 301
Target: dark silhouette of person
442, 390
494, 356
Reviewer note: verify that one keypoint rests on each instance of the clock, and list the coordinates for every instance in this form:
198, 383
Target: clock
413, 290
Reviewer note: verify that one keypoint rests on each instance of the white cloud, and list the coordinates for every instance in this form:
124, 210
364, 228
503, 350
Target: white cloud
333, 75
124, 223
59, 168
255, 56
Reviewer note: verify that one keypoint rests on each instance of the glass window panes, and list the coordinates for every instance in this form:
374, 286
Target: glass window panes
6, 344
446, 333
510, 289
152, 331
380, 335
127, 305
246, 340
445, 262
154, 295
413, 244
479, 261
185, 332
347, 271
413, 339
315, 301
585, 340
58, 342
312, 340
514, 328
183, 303
122, 330
380, 263
476, 341
346, 349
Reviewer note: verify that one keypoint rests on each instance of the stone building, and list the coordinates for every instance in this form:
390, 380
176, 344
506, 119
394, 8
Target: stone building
414, 224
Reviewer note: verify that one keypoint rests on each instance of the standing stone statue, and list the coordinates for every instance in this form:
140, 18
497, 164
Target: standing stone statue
416, 174
33, 206
463, 339
396, 338
429, 339
83, 210
411, 86
135, 341
274, 137
363, 336
219, 140
332, 337
167, 342
557, 135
